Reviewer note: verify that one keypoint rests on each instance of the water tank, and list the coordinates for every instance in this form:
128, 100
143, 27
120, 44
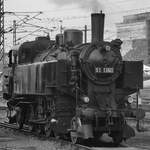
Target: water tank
73, 36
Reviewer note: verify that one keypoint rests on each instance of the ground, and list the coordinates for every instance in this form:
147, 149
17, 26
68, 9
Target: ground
16, 141
141, 140
10, 140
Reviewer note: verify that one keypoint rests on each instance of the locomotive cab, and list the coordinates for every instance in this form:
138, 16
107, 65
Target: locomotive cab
13, 57
8, 73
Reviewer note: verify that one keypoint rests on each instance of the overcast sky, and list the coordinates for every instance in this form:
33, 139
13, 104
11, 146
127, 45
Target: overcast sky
41, 5
76, 13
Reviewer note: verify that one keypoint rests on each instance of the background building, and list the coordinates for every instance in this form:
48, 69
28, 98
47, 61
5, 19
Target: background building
135, 33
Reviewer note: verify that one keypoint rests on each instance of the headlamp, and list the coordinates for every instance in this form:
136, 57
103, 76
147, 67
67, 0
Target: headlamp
130, 99
107, 47
85, 99
53, 120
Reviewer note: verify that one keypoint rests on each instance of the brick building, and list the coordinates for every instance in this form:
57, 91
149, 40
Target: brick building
134, 31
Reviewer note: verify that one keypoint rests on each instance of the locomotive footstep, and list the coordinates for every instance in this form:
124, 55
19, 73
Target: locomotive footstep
19, 119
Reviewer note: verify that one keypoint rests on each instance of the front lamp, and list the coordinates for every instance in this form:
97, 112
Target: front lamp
85, 99
130, 99
108, 48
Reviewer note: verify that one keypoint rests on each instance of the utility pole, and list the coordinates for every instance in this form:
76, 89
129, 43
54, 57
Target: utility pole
2, 31
61, 28
14, 32
85, 34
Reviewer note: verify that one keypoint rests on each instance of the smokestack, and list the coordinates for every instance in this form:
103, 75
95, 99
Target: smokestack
97, 25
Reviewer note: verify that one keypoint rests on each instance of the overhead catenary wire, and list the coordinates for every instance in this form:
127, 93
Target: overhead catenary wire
76, 8
85, 16
28, 34
67, 18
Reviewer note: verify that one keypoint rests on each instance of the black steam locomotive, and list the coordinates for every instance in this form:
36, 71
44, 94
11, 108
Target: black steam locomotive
65, 88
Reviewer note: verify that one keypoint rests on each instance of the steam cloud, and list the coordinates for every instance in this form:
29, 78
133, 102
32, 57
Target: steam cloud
93, 5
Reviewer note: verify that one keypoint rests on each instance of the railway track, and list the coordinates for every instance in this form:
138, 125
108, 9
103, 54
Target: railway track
25, 130
69, 145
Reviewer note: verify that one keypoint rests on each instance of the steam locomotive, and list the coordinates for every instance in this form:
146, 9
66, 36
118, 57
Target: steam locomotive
67, 88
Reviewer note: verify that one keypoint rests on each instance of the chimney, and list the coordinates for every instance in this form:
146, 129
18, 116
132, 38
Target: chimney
97, 25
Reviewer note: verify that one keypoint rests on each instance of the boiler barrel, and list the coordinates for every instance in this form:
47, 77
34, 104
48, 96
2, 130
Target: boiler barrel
97, 25
73, 36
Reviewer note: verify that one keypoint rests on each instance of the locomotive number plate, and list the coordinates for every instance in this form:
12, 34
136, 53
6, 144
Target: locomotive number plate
104, 70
